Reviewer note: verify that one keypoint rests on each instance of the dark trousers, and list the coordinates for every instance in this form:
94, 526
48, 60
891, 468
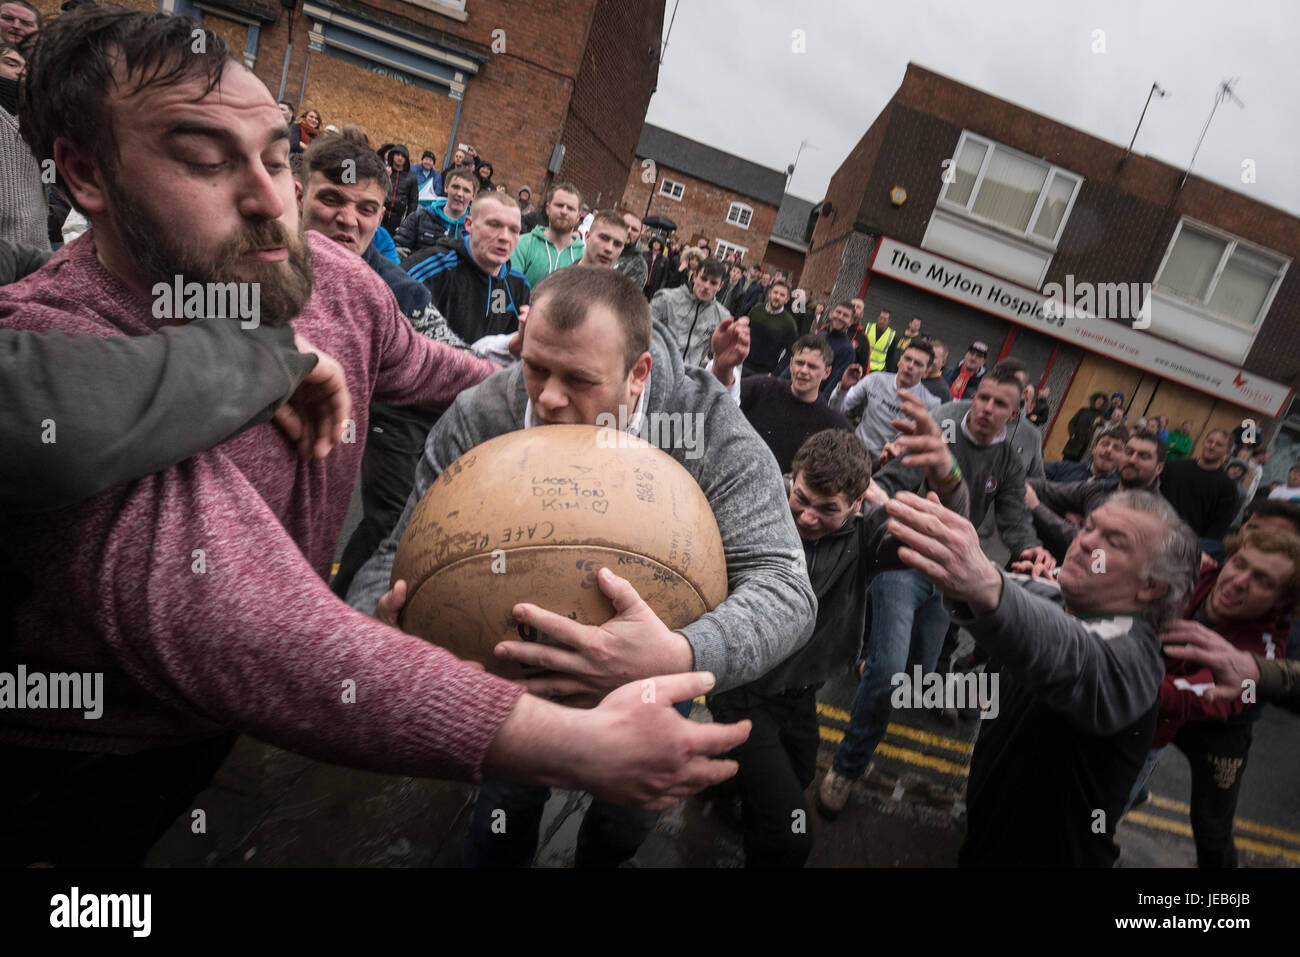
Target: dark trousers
1217, 752
81, 809
777, 763
393, 450
507, 823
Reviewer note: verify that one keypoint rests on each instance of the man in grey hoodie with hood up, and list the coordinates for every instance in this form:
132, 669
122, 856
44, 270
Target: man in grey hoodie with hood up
590, 350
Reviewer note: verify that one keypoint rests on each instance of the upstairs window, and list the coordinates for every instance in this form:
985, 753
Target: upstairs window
671, 189
1222, 274
994, 183
739, 215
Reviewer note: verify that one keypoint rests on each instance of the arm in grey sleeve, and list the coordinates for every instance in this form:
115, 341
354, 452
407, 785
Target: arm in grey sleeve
1014, 522
770, 608
1100, 681
83, 413
848, 401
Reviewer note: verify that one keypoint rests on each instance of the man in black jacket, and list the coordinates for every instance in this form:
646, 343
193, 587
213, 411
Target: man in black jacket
844, 546
404, 196
472, 283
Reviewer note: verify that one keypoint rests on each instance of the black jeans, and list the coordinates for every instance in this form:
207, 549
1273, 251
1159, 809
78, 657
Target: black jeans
1217, 752
777, 763
85, 809
393, 450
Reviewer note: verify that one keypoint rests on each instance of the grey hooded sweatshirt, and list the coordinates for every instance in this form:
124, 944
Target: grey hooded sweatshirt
690, 321
770, 607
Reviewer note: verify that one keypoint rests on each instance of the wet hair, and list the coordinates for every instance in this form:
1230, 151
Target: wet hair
570, 293
356, 134
1273, 542
817, 344
1162, 449
328, 155
70, 76
920, 345
1113, 432
563, 188
834, 462
712, 269
1276, 508
461, 173
608, 216
1011, 366
1004, 373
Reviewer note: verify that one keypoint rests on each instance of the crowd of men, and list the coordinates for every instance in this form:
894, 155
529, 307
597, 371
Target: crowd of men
178, 536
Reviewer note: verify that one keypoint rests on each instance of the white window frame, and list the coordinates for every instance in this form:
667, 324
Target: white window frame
666, 187
1027, 233
453, 9
1202, 305
740, 209
721, 247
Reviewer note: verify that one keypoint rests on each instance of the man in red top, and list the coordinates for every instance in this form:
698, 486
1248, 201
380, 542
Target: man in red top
194, 600
1246, 601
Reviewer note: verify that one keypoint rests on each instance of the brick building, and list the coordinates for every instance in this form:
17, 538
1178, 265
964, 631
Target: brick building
709, 194
515, 80
1094, 267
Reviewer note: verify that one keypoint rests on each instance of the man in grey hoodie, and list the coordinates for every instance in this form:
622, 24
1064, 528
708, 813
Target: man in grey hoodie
590, 350
691, 312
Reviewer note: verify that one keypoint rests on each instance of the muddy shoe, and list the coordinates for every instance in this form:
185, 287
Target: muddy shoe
833, 794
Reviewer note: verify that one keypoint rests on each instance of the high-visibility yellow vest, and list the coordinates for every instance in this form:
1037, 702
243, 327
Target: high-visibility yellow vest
879, 346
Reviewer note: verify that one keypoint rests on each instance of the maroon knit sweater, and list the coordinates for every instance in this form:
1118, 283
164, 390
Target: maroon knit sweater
254, 640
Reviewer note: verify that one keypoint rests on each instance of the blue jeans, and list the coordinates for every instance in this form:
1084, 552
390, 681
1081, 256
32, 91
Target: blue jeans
904, 606
1144, 778
508, 819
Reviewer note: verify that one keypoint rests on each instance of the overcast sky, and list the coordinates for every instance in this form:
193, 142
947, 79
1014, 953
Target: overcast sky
730, 78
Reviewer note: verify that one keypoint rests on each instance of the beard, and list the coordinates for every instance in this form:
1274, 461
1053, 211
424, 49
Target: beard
283, 287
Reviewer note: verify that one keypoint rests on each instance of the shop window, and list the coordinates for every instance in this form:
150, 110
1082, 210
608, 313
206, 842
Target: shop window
1223, 275
671, 189
996, 184
739, 215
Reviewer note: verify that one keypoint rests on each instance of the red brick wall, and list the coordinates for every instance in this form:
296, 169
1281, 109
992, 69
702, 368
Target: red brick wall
613, 87
845, 192
702, 210
783, 257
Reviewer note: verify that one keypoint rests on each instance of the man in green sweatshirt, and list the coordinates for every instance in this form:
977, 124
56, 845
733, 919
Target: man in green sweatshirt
548, 248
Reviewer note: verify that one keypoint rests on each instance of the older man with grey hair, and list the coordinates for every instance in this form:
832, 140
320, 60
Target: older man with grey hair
1078, 690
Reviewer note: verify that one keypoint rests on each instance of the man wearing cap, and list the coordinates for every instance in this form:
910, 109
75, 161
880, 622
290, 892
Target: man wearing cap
964, 378
428, 181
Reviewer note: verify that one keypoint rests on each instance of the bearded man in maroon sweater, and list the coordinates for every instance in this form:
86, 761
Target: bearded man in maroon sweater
194, 599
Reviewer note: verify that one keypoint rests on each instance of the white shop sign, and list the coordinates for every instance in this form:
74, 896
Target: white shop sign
1026, 307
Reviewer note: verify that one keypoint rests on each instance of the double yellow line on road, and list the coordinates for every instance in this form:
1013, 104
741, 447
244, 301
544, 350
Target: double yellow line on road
1142, 818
